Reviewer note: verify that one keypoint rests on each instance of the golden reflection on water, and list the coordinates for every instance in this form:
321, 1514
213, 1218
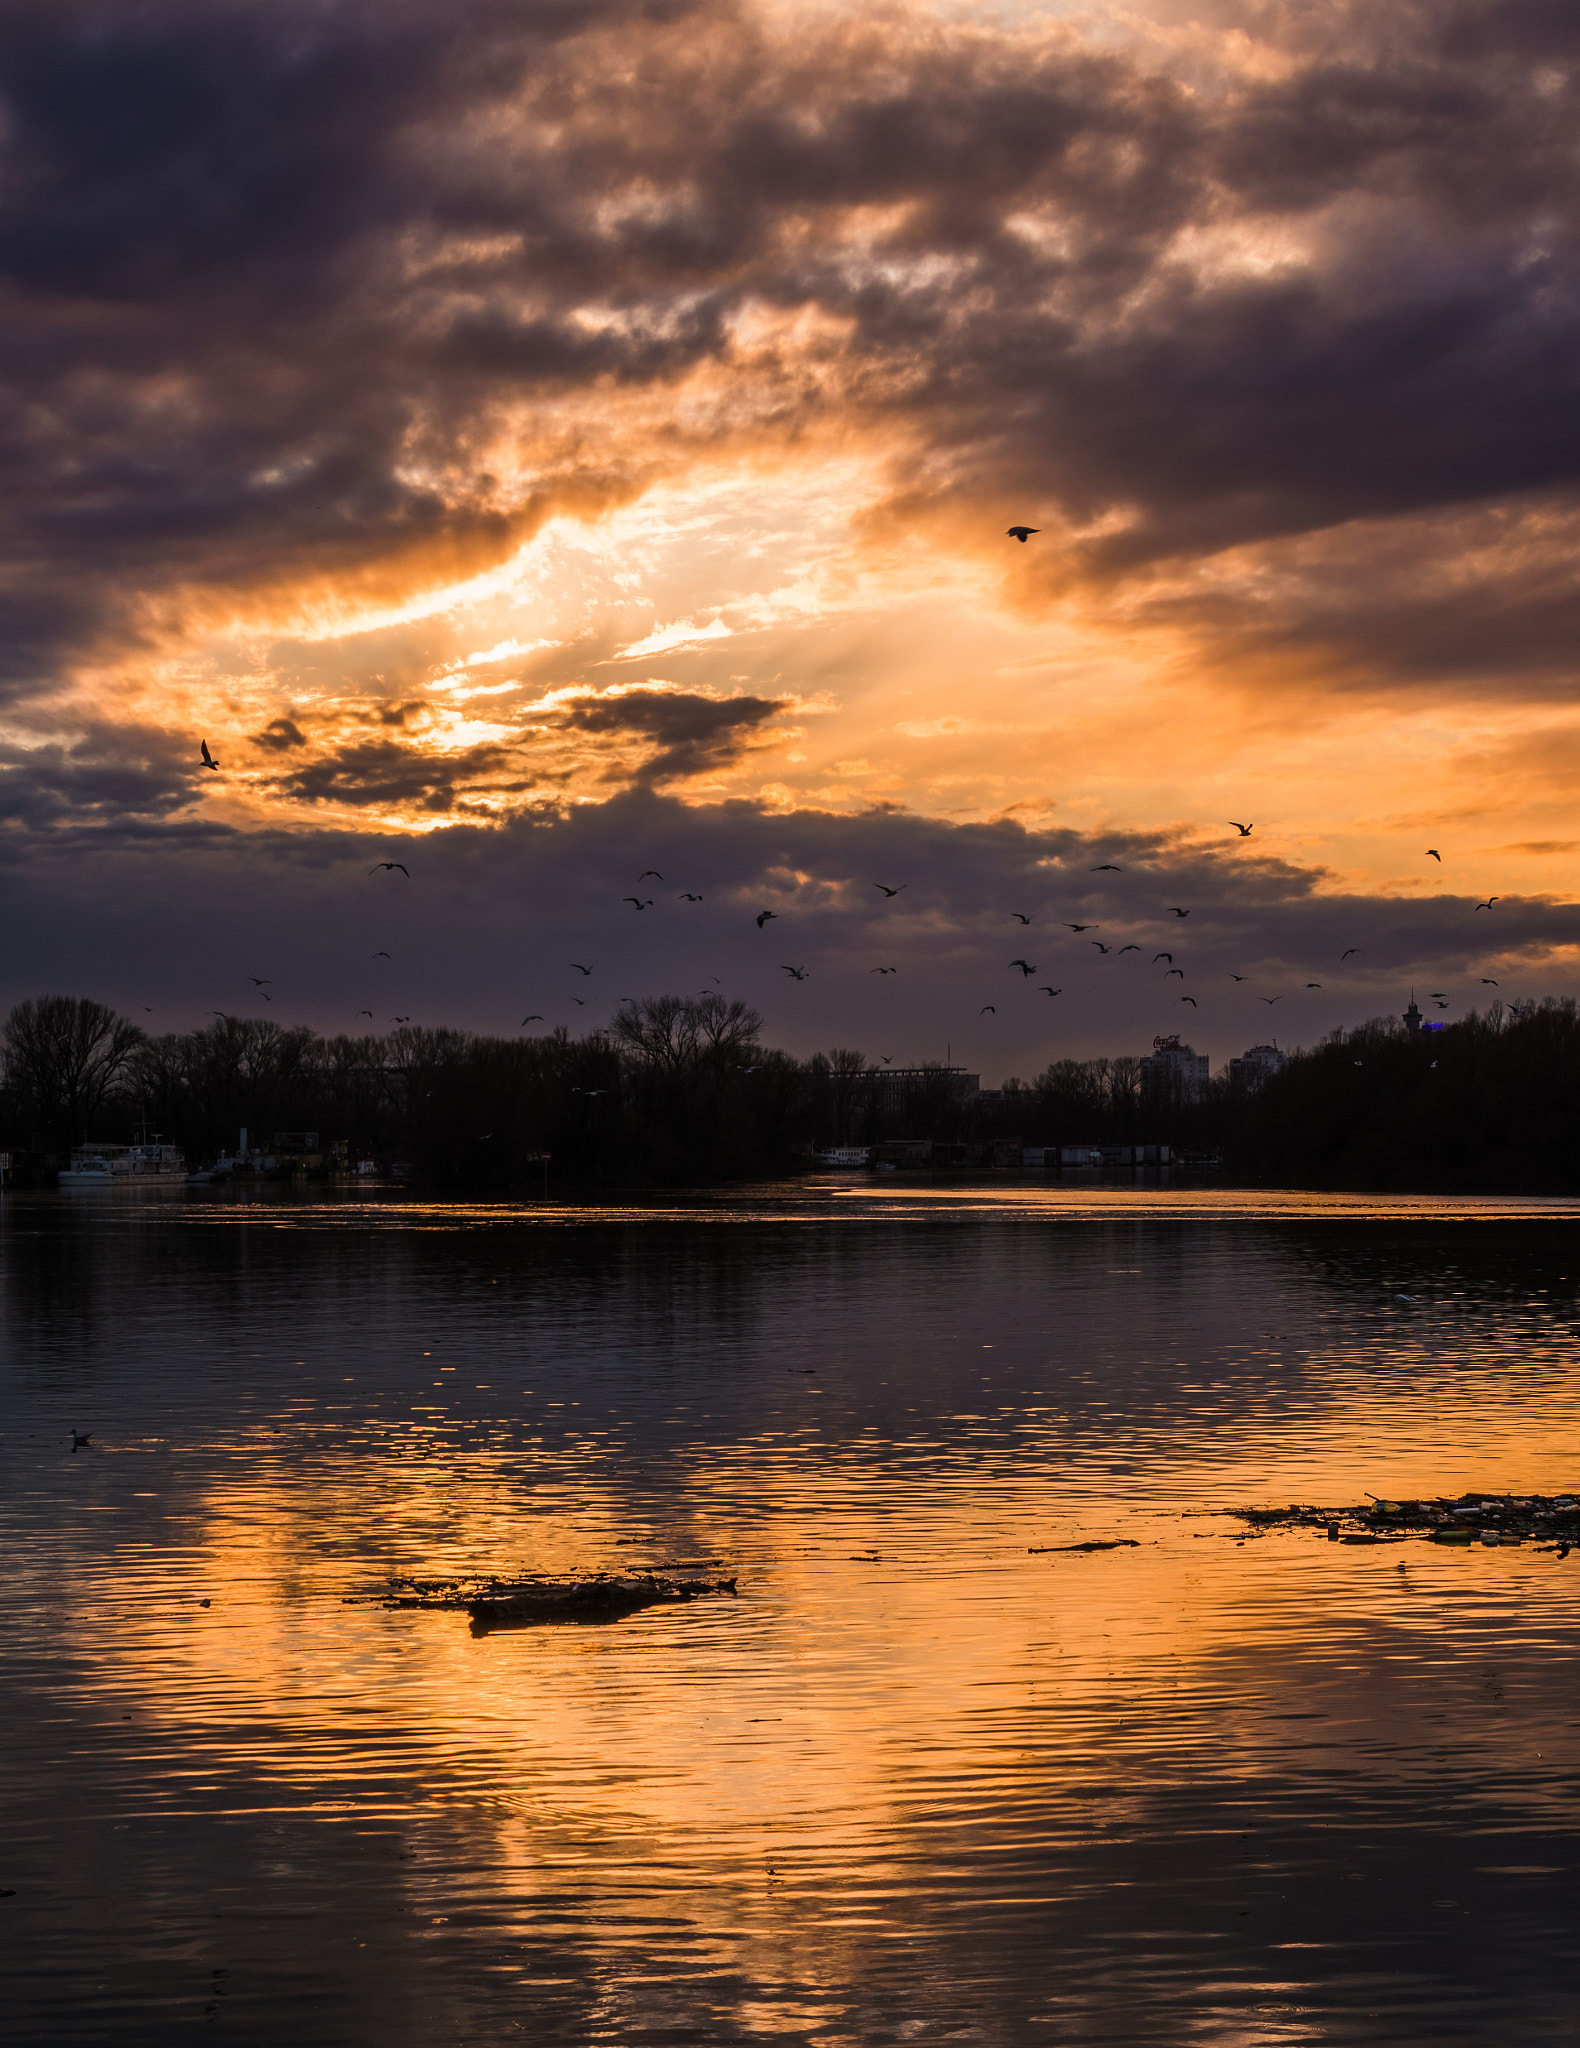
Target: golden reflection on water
917, 1782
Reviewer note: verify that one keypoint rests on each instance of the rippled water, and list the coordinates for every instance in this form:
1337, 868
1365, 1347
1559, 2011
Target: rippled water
918, 1783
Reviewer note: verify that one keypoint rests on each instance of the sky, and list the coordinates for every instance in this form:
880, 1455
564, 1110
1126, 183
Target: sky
542, 443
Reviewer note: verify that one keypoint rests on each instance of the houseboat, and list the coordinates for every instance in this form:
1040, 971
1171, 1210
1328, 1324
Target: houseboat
119, 1166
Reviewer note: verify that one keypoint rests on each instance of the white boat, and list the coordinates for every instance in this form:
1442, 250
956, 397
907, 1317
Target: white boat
843, 1155
116, 1166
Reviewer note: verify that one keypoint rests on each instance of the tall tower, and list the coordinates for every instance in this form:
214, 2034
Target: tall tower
1412, 1016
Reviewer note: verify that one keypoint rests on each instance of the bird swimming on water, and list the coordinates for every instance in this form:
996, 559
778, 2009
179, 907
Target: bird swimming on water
80, 1439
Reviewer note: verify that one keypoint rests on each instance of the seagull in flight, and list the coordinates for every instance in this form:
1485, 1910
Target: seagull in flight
883, 970
1173, 970
1237, 977
795, 973
537, 1017
208, 758
642, 877
1177, 911
364, 1013
1243, 830
1027, 967
1270, 999
1080, 927
1313, 984
582, 970
1433, 854
406, 871
1099, 945
887, 890
1021, 915
988, 1009
1488, 904
1107, 868
259, 980
1487, 984
1046, 991
1189, 999
1169, 957
763, 916
1346, 953
578, 1002
400, 1020
380, 956
1021, 533
687, 897
1131, 948
637, 900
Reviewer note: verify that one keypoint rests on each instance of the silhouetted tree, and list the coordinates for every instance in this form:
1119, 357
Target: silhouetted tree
63, 1056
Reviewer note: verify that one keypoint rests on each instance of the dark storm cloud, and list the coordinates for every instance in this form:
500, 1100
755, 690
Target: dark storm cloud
105, 778
187, 921
276, 279
693, 733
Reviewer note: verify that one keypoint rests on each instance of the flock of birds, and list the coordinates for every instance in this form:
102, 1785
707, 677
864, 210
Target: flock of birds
1026, 968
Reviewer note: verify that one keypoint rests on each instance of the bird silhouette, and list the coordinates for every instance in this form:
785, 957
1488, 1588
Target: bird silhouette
406, 871
637, 900
1021, 533
1313, 984
1433, 854
1177, 911
1131, 948
1237, 977
580, 969
1270, 999
687, 897
883, 970
364, 1013
380, 956
887, 890
208, 758
987, 1010
1243, 830
1173, 970
1487, 984
1045, 990
400, 1020
1107, 868
1189, 999
258, 980
1080, 927
578, 1002
1346, 953
1437, 994
1099, 945
1442, 1006
886, 1057
763, 917
266, 996
537, 1017
80, 1439
796, 973
1488, 904
642, 877
1027, 968
1169, 957
1021, 915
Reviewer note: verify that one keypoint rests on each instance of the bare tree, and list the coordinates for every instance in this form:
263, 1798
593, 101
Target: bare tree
63, 1055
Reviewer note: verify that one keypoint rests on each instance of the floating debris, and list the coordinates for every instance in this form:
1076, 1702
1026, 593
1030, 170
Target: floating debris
1488, 1519
532, 1603
1111, 1543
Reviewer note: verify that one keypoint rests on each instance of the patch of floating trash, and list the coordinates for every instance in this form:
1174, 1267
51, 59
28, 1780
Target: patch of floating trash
1552, 1521
531, 1603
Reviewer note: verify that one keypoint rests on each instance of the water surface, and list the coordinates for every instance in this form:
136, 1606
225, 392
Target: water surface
926, 1779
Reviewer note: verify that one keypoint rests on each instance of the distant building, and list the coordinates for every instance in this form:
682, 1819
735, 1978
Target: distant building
1412, 1016
1255, 1064
1173, 1073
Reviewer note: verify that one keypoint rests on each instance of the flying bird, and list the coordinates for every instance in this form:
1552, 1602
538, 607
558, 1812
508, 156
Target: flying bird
537, 1017
1433, 854
400, 1020
1437, 994
988, 1009
259, 980
1487, 984
1173, 970
883, 970
1107, 868
380, 956
887, 890
1237, 977
886, 1057
1021, 533
1045, 990
1099, 945
1080, 927
364, 1013
1131, 948
580, 969
1346, 953
687, 897
1313, 984
1177, 911
1027, 968
763, 917
578, 1002
642, 877
637, 900
1243, 830
1189, 999
1442, 1006
1169, 957
1488, 904
1021, 915
208, 758
1270, 999
406, 871
795, 973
